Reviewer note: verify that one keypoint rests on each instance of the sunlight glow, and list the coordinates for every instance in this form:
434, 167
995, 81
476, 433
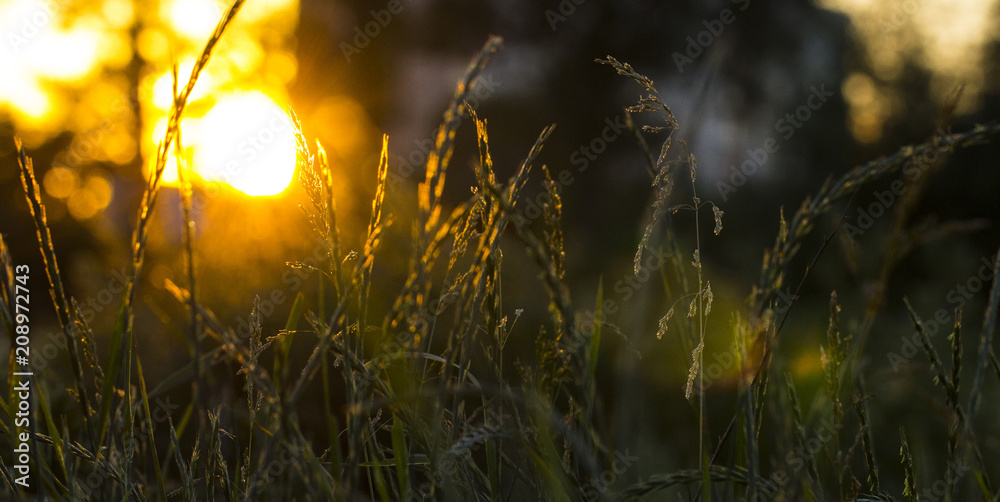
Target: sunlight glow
60, 182
194, 19
35, 42
153, 44
63, 55
245, 140
234, 130
947, 37
164, 85
84, 199
118, 13
49, 52
63, 70
868, 107
33, 102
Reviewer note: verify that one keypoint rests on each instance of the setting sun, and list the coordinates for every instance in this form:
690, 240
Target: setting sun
246, 141
414, 250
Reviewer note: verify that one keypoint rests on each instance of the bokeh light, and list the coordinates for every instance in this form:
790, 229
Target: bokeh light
84, 198
193, 19
52, 50
946, 38
235, 129
61, 182
102, 71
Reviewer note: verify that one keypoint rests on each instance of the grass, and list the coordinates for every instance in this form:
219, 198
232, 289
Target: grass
421, 401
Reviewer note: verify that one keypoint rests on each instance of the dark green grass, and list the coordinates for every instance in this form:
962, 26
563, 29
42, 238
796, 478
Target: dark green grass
420, 402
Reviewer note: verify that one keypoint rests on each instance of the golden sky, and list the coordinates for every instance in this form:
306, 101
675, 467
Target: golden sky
946, 37
72, 66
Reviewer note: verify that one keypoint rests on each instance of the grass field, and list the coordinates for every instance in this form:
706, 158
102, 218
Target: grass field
434, 384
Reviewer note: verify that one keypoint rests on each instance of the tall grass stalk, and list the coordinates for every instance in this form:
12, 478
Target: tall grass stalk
33, 193
409, 389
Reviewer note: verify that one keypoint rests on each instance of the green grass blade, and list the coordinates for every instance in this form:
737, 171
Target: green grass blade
123, 323
706, 479
149, 424
6, 427
50, 424
185, 373
33, 194
285, 344
295, 314
595, 339
186, 481
402, 457
545, 455
111, 373
983, 484
180, 432
6, 287
379, 478
861, 408
985, 343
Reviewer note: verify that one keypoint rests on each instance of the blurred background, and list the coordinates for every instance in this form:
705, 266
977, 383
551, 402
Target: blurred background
829, 84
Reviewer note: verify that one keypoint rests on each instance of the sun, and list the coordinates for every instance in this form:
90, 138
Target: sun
247, 141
